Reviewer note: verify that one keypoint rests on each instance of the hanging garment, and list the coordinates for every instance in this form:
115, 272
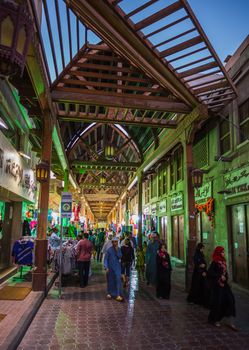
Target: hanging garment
23, 252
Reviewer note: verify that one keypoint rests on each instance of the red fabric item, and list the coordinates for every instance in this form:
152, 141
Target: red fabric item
217, 254
163, 258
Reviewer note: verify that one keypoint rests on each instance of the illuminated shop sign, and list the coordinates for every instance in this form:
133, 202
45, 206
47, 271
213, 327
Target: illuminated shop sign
162, 207
177, 201
237, 181
203, 193
146, 210
153, 209
15, 175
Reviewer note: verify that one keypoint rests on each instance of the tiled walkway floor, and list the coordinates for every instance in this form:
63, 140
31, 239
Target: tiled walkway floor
84, 319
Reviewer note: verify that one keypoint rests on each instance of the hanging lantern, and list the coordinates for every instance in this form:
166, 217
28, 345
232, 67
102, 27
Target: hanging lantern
42, 172
109, 152
197, 177
16, 30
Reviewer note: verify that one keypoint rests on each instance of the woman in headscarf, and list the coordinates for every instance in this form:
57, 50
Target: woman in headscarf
163, 273
222, 303
197, 294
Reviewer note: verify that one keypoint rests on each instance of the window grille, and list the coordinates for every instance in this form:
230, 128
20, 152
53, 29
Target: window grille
200, 153
244, 121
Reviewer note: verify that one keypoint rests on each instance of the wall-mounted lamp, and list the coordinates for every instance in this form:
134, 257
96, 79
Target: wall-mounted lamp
42, 172
197, 177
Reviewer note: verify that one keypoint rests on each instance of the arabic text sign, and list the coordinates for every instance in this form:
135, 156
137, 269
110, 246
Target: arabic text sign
203, 193
237, 181
177, 202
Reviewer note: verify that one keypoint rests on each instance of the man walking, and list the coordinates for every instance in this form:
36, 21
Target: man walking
99, 243
112, 265
84, 251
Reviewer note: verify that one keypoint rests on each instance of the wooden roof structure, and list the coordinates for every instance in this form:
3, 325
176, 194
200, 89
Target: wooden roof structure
120, 71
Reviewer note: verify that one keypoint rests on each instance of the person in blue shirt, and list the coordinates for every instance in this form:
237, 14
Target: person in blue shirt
112, 265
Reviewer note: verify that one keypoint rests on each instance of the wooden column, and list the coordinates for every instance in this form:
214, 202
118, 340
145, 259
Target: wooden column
39, 280
192, 236
140, 210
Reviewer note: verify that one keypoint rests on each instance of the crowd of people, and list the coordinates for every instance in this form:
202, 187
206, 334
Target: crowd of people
120, 253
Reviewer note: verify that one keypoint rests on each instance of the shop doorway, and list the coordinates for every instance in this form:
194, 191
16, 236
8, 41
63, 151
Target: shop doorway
239, 239
163, 229
205, 234
178, 237
5, 241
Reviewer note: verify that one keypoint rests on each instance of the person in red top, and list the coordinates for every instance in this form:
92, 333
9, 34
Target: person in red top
84, 252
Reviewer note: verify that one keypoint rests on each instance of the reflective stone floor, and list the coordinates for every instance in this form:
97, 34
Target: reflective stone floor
84, 319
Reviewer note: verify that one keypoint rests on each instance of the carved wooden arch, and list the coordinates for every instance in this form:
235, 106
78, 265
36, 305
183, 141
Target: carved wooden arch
125, 137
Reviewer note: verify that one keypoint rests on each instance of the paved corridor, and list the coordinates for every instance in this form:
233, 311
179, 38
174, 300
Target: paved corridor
84, 319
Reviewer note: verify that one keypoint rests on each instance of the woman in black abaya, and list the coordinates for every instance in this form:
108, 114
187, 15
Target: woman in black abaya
163, 273
222, 302
198, 290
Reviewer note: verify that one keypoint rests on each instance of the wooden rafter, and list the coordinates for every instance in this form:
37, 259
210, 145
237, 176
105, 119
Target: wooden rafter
75, 95
104, 165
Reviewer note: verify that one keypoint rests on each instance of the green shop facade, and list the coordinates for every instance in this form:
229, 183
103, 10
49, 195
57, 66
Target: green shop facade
220, 149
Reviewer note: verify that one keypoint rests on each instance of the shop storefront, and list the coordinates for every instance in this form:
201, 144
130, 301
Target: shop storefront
177, 222
154, 218
163, 220
17, 185
146, 224
237, 200
204, 204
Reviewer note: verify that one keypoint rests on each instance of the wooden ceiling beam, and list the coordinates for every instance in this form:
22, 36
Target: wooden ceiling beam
182, 46
104, 20
110, 85
73, 95
106, 185
108, 76
106, 67
77, 165
144, 122
99, 57
199, 69
158, 15
212, 87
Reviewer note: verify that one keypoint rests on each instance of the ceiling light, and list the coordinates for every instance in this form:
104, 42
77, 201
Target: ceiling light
24, 155
2, 124
52, 175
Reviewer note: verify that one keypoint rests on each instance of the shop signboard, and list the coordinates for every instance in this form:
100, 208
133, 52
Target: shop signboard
15, 174
66, 205
146, 210
237, 181
177, 201
203, 193
153, 209
162, 207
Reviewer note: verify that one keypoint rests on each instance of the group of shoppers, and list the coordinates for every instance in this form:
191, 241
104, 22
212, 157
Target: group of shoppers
209, 287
